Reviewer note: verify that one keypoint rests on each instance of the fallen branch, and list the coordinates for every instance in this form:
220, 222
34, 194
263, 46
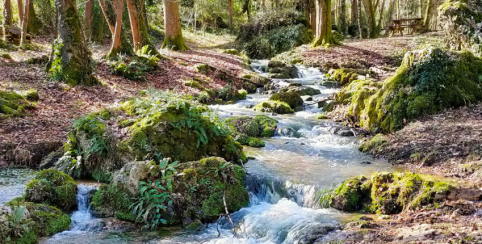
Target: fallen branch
226, 215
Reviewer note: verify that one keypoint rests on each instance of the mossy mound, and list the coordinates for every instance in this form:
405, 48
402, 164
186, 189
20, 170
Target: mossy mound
245, 129
344, 76
374, 144
300, 90
282, 72
389, 193
163, 124
461, 21
274, 107
291, 98
224, 95
12, 104
24, 222
197, 191
231, 51
52, 187
427, 81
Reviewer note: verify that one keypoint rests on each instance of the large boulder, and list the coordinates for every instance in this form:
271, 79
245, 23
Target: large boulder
245, 129
52, 187
274, 107
291, 98
462, 24
389, 193
428, 81
103, 142
197, 191
300, 90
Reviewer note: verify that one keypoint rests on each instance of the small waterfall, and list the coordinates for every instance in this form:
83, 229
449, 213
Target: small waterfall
83, 216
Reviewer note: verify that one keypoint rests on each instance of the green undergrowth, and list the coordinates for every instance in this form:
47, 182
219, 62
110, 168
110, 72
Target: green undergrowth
427, 81
13, 104
158, 123
388, 193
52, 187
135, 67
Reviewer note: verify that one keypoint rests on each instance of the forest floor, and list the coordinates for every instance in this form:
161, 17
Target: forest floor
449, 141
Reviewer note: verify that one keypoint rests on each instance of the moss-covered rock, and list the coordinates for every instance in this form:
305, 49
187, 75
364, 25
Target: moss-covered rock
12, 104
274, 107
24, 222
462, 24
284, 72
197, 191
52, 187
427, 81
291, 98
374, 144
389, 193
344, 76
202, 68
231, 51
300, 90
245, 129
155, 125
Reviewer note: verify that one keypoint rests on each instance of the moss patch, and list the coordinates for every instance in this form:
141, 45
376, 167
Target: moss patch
292, 99
12, 104
52, 187
274, 107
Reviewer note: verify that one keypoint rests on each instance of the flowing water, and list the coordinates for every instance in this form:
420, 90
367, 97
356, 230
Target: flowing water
286, 179
12, 183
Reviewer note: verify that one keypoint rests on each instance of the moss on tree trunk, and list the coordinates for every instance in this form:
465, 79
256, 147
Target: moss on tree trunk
371, 21
71, 60
172, 25
139, 27
33, 23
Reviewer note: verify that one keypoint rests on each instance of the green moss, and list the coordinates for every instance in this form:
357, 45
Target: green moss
292, 99
193, 84
389, 193
241, 95
254, 142
274, 107
49, 220
113, 199
344, 76
231, 51
202, 68
12, 104
52, 187
427, 81
374, 144
323, 116
101, 176
259, 126
176, 43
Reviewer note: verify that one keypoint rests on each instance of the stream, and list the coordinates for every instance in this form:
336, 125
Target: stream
286, 179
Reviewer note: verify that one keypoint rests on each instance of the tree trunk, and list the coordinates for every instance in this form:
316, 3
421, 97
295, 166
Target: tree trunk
20, 11
116, 36
360, 25
111, 17
343, 26
71, 60
7, 16
230, 8
172, 26
324, 36
371, 22
88, 19
24, 22
139, 28
246, 8
382, 7
33, 24
354, 12
313, 15
428, 13
391, 7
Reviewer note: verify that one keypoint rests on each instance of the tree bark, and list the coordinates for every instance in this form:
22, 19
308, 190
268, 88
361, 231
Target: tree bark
32, 25
230, 9
20, 11
360, 26
139, 28
371, 22
172, 26
24, 22
246, 8
71, 61
343, 26
7, 16
324, 36
313, 15
354, 12
428, 13
88, 19
111, 17
116, 36
382, 7
391, 7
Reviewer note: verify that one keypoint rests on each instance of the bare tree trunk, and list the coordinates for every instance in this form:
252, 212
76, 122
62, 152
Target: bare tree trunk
343, 25
312, 15
354, 11
24, 21
324, 36
71, 59
116, 37
139, 28
20, 11
88, 19
391, 6
7, 16
111, 17
360, 26
32, 24
382, 7
172, 26
230, 8
246, 8
428, 13
371, 22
